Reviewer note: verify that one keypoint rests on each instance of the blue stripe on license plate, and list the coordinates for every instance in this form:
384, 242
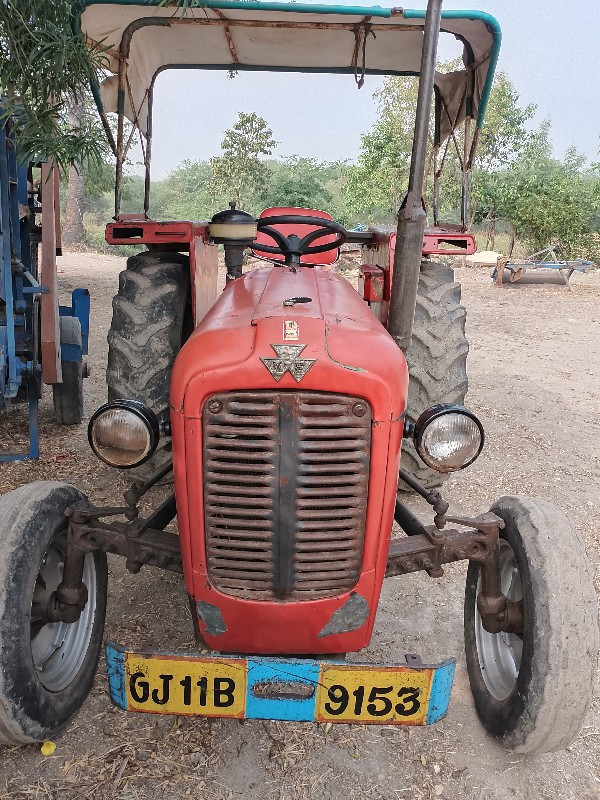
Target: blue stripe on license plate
281, 689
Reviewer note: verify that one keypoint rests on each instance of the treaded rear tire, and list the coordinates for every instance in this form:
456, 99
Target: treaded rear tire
437, 357
146, 333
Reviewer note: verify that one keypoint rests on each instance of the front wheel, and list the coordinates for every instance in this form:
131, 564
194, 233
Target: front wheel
533, 691
46, 668
68, 395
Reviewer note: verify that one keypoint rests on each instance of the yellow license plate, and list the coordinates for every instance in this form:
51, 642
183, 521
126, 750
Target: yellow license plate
373, 694
164, 685
255, 687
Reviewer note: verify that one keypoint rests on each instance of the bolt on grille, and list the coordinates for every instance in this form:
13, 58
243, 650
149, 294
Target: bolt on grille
285, 492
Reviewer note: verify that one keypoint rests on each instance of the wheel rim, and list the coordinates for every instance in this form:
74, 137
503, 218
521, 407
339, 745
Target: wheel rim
59, 648
500, 653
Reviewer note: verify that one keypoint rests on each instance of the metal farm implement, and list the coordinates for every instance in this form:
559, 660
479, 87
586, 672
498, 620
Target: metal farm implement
549, 258
40, 340
292, 414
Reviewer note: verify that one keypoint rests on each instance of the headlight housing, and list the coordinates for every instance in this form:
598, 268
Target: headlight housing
448, 437
123, 433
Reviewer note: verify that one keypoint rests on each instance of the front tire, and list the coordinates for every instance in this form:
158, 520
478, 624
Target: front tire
46, 668
533, 693
68, 395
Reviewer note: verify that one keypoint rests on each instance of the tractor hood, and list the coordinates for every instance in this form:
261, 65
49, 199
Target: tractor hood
292, 330
271, 367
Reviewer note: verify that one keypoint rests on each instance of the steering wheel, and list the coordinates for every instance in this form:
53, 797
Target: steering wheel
292, 246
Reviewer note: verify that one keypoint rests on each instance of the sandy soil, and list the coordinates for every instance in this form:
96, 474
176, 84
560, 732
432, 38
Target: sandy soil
535, 383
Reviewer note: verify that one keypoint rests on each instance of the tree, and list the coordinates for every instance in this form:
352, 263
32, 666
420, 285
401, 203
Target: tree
73, 231
298, 182
549, 200
504, 135
376, 186
46, 69
239, 174
45, 79
503, 140
184, 193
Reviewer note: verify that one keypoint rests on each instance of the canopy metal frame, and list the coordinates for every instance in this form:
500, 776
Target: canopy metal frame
412, 216
371, 23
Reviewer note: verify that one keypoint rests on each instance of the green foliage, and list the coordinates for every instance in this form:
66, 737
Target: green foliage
504, 134
547, 199
46, 69
377, 184
99, 179
188, 192
240, 174
297, 182
516, 179
306, 183
184, 194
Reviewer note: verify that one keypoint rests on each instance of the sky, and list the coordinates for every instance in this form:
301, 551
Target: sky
549, 51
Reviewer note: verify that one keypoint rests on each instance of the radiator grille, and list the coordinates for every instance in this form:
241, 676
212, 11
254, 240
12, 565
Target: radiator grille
285, 481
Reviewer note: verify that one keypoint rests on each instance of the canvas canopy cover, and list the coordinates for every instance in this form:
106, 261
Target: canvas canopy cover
144, 37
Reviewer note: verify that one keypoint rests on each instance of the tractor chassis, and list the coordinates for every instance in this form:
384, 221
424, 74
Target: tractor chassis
143, 540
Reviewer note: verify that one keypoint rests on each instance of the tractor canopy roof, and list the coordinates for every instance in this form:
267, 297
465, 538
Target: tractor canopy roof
147, 36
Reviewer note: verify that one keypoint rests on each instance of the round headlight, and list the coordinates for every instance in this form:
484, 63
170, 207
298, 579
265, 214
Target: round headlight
123, 433
448, 438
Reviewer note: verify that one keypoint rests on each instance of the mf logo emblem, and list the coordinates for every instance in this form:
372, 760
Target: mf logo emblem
288, 361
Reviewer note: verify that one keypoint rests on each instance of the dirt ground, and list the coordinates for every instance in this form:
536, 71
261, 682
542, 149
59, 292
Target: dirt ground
535, 383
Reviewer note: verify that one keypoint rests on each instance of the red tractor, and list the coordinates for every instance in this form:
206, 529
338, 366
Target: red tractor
281, 409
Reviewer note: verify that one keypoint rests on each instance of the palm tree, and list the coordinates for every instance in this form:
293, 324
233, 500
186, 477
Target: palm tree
44, 72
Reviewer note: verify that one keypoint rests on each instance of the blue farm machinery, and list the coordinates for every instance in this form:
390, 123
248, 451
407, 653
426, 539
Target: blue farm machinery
41, 342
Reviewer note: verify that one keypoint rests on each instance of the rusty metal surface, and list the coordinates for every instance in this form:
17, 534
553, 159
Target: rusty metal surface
140, 545
211, 617
227, 22
135, 540
49, 322
437, 546
285, 481
349, 617
286, 478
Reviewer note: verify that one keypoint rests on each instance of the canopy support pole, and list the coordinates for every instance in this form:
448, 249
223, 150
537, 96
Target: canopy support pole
436, 187
435, 155
120, 131
412, 217
148, 154
467, 143
464, 200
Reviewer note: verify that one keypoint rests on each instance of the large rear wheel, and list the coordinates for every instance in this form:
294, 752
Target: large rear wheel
151, 319
437, 357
